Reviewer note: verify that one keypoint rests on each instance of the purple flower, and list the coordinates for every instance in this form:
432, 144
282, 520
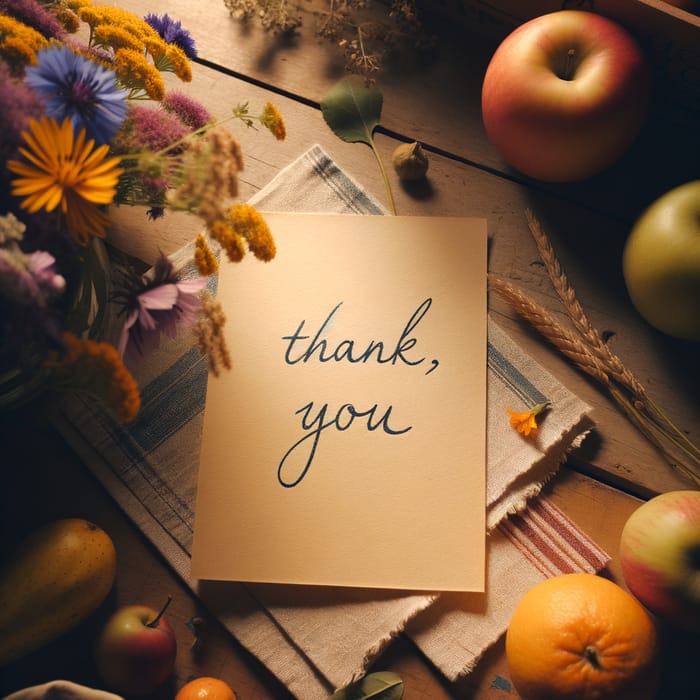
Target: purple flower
152, 128
190, 112
73, 86
156, 304
27, 318
155, 213
41, 268
35, 14
19, 105
172, 32
29, 279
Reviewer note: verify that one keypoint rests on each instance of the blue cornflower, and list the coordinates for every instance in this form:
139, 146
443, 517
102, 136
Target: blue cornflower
73, 86
171, 31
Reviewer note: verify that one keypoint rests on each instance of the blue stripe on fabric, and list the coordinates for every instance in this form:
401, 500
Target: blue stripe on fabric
137, 459
171, 400
517, 382
341, 185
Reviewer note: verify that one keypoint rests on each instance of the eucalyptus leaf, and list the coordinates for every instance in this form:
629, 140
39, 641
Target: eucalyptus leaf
383, 685
352, 109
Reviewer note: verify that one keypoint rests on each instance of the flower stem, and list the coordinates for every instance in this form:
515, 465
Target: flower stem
384, 176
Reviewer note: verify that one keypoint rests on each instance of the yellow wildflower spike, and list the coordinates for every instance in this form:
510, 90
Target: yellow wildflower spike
272, 120
204, 257
250, 224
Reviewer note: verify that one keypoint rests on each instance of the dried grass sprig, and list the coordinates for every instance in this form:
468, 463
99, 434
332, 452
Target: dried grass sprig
612, 363
209, 331
589, 352
574, 310
565, 341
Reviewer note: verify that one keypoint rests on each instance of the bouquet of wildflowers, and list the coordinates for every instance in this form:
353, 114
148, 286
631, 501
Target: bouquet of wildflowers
87, 123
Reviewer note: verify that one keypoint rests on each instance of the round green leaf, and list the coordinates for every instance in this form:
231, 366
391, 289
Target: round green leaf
352, 109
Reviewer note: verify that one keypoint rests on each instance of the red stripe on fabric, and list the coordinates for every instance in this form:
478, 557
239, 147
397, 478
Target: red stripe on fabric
553, 555
581, 543
523, 541
525, 551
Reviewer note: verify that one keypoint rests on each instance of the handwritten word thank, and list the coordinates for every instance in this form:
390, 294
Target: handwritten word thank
345, 351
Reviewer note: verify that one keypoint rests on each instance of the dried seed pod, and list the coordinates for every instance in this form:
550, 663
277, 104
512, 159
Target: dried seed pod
410, 161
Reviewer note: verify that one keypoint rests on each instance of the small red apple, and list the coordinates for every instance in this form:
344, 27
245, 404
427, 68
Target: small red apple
565, 94
136, 650
660, 556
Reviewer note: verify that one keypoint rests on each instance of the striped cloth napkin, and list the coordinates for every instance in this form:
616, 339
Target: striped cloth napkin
317, 639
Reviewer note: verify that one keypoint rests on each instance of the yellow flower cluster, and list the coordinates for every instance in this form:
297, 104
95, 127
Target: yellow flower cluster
223, 233
244, 224
133, 41
250, 224
204, 257
272, 120
19, 43
137, 73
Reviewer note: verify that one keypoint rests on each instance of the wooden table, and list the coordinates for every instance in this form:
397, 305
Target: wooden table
436, 103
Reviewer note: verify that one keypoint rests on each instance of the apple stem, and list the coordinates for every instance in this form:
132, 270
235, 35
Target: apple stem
568, 69
154, 622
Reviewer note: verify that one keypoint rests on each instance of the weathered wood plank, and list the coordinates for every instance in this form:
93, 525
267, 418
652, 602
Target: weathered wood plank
437, 101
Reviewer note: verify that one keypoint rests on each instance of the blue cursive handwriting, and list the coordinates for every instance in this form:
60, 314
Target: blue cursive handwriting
315, 425
318, 348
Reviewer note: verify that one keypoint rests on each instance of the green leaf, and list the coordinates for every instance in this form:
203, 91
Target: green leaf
352, 109
382, 685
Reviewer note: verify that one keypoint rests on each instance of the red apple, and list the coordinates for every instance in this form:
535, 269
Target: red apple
136, 650
660, 556
565, 94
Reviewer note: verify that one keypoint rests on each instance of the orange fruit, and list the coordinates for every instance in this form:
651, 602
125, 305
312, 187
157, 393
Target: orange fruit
206, 688
582, 637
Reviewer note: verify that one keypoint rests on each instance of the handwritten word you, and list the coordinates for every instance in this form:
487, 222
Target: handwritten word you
315, 425
314, 421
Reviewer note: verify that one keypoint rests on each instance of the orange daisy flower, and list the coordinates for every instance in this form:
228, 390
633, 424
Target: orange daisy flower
67, 172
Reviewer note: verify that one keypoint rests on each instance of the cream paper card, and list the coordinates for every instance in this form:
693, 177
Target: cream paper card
346, 446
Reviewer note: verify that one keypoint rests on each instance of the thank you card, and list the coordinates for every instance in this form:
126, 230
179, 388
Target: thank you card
346, 446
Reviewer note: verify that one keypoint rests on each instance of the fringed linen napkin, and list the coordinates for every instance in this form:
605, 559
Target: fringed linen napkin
317, 639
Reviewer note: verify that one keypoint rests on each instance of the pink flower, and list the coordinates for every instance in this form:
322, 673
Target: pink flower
41, 267
191, 113
154, 305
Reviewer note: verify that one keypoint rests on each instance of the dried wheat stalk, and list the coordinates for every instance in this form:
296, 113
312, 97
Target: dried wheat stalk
575, 311
587, 349
612, 363
547, 325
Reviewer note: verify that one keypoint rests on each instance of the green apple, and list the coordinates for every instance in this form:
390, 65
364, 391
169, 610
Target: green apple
661, 262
